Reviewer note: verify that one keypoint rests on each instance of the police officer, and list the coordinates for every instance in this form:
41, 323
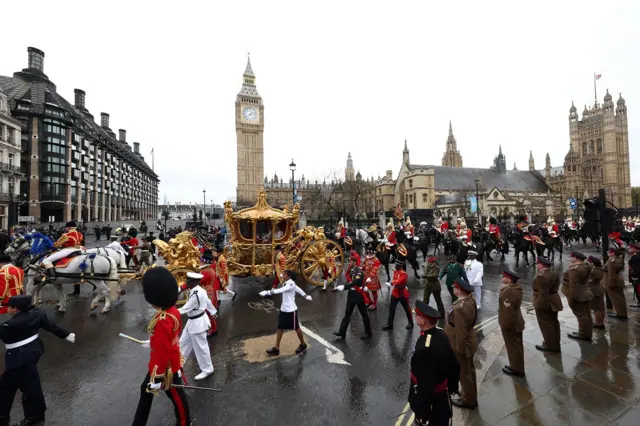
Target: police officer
434, 370
356, 298
24, 349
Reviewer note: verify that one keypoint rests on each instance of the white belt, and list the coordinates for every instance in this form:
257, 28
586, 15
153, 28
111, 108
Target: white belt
21, 342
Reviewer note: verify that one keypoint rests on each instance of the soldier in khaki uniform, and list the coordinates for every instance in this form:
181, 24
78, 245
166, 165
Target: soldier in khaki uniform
432, 285
580, 296
596, 274
511, 322
615, 284
460, 321
547, 304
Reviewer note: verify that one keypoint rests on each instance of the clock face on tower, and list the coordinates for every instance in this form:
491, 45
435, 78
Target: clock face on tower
250, 114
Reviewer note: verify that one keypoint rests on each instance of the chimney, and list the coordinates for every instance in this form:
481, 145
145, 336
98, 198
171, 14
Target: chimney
104, 120
36, 59
79, 102
136, 147
122, 135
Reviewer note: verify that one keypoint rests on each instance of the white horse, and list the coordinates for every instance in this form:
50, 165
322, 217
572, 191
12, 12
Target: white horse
92, 268
113, 250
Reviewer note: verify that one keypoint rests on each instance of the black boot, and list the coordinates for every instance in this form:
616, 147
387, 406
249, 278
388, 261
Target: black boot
32, 421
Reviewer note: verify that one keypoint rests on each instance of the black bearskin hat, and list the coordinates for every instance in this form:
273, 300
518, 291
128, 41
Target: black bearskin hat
133, 232
207, 256
160, 287
493, 221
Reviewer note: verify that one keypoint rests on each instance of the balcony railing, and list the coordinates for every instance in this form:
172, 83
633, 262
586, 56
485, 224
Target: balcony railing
6, 167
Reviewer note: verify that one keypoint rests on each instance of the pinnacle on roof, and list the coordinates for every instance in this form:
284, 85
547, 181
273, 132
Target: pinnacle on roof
249, 71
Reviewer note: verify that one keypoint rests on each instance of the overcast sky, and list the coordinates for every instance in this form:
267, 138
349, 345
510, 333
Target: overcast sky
358, 76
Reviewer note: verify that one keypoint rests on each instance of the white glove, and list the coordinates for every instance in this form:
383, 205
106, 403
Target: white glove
308, 298
71, 338
263, 293
154, 386
368, 280
340, 288
146, 344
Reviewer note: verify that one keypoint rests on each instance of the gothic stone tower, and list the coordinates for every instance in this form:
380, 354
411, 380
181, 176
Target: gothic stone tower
249, 132
349, 172
599, 153
452, 157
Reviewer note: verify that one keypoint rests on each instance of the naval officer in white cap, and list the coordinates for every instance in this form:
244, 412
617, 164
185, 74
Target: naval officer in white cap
194, 335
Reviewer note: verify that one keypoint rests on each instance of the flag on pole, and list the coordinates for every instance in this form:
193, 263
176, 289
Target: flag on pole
598, 76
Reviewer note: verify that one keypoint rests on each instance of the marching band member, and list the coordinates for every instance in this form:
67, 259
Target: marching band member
194, 335
23, 351
165, 364
371, 267
68, 243
400, 294
288, 318
207, 282
279, 266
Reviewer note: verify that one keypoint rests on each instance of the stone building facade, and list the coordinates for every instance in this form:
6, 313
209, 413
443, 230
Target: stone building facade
598, 154
10, 174
75, 168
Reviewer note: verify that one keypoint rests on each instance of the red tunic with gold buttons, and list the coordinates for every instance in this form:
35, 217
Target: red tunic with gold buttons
399, 283
70, 239
370, 269
164, 329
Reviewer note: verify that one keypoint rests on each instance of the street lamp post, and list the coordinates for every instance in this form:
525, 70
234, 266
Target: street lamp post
292, 166
477, 181
204, 205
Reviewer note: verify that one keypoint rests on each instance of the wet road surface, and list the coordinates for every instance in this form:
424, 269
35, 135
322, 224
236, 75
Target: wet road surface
96, 381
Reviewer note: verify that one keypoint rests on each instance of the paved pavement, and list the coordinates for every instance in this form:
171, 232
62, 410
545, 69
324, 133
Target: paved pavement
97, 380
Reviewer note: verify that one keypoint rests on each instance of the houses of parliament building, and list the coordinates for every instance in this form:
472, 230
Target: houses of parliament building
598, 157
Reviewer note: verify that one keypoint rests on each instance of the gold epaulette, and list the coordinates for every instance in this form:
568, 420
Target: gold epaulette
162, 315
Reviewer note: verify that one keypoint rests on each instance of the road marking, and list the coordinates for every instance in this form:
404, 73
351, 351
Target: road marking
411, 419
334, 355
401, 417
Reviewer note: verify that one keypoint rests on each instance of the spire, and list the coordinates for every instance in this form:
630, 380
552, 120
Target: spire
249, 71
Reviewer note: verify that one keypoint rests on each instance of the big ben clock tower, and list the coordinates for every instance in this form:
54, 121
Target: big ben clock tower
249, 131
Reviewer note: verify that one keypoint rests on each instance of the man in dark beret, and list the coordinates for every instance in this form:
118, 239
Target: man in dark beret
434, 370
547, 304
580, 296
511, 322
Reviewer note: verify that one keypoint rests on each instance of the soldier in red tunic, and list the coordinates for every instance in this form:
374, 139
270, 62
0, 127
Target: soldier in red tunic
370, 269
400, 294
69, 242
208, 271
165, 364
